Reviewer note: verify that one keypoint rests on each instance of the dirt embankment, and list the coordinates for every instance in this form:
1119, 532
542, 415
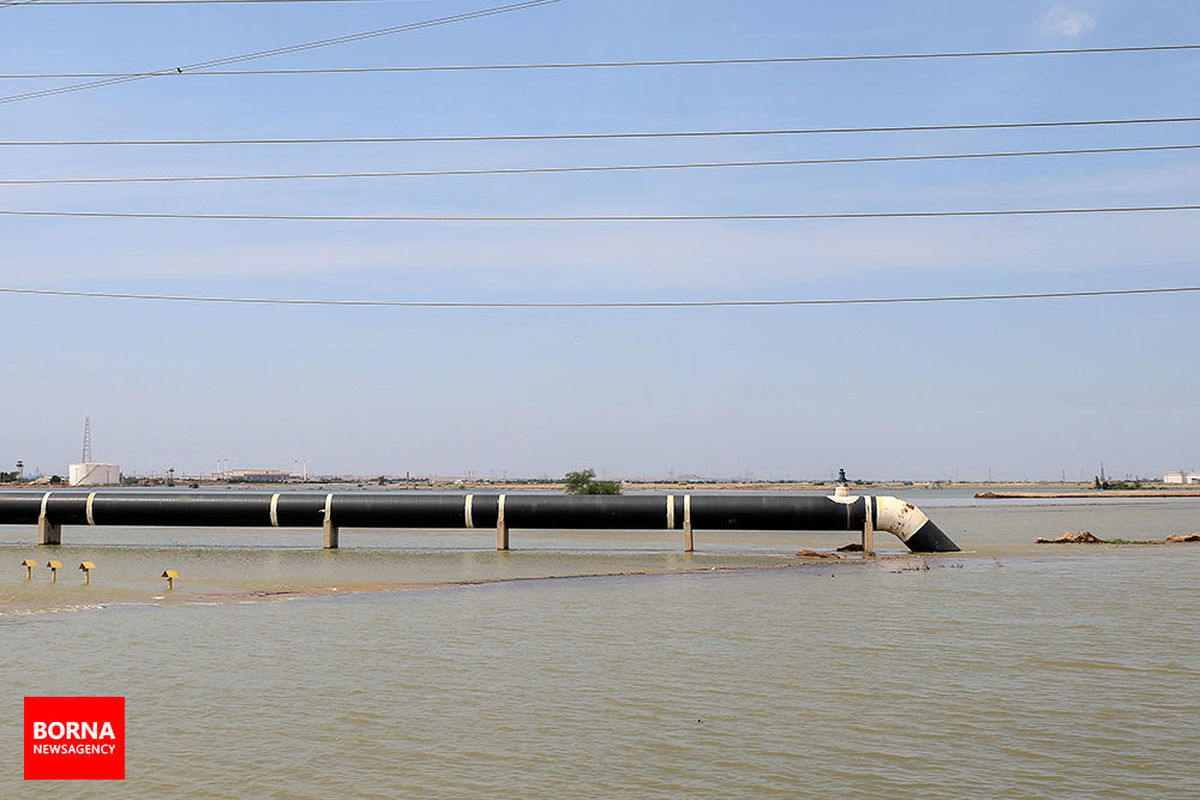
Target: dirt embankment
1086, 537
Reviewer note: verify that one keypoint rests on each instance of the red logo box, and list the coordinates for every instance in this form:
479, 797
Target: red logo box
75, 738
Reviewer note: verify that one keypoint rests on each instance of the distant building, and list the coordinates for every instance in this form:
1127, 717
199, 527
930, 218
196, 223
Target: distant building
257, 476
1181, 477
89, 474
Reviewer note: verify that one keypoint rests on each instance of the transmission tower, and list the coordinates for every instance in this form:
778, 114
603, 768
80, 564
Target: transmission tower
87, 440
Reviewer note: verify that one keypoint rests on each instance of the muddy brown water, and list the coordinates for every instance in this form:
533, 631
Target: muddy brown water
425, 664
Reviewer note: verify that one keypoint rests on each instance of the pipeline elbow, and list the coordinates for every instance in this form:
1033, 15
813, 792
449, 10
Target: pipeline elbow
910, 525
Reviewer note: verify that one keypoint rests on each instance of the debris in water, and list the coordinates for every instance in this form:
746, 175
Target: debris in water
1086, 537
815, 554
1079, 537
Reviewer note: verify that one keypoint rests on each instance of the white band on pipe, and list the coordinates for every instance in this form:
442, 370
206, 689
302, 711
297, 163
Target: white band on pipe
467, 511
274, 511
45, 499
670, 512
687, 511
500, 510
329, 507
88, 508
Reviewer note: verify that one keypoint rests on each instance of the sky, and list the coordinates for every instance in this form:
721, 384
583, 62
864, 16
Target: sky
1027, 389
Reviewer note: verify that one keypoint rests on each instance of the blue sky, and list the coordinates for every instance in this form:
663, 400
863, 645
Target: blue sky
1027, 389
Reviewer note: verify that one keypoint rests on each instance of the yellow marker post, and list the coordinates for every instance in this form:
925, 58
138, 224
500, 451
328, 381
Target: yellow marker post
170, 575
87, 568
54, 566
29, 564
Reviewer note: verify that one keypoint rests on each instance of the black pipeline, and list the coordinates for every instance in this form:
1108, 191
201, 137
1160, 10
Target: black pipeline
332, 511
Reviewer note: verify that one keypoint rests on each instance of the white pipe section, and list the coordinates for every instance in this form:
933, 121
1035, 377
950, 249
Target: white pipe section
898, 517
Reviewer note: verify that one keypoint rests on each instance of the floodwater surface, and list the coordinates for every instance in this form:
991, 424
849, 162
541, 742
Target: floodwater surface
426, 664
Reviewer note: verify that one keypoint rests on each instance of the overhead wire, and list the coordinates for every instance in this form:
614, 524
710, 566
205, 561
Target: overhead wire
203, 68
541, 137
845, 215
603, 304
174, 2
294, 48
430, 173
556, 65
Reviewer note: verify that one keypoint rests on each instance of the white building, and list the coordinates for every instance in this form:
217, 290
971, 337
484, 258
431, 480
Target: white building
1181, 477
94, 474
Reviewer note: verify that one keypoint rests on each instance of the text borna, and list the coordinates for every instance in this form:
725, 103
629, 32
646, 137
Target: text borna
73, 730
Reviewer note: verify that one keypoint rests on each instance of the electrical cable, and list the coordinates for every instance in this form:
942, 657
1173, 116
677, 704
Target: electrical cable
847, 215
295, 48
171, 2
539, 137
687, 62
603, 304
600, 168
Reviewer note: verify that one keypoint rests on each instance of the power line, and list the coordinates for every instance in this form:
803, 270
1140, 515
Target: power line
169, 2
689, 62
538, 137
295, 48
848, 215
602, 304
599, 168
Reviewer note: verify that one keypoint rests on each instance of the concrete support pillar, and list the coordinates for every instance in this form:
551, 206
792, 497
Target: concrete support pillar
868, 533
688, 542
331, 535
48, 532
329, 528
501, 526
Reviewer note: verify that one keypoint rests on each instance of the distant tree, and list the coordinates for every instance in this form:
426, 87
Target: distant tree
584, 482
578, 482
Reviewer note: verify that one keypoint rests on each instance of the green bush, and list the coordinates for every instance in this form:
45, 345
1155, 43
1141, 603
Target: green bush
584, 482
